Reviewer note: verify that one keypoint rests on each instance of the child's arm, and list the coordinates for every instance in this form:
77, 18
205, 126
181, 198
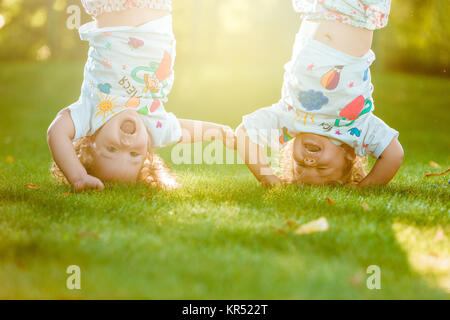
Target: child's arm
60, 135
386, 166
255, 158
196, 131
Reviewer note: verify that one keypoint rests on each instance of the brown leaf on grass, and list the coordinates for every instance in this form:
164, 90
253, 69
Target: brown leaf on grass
319, 225
9, 159
330, 201
63, 195
434, 164
365, 206
291, 223
281, 231
440, 235
144, 195
20, 265
31, 186
87, 233
357, 279
436, 174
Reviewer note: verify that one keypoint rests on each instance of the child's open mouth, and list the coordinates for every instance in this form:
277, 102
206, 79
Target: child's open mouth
311, 147
128, 127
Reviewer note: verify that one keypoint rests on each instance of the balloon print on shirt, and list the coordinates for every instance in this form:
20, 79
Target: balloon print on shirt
312, 100
355, 109
330, 80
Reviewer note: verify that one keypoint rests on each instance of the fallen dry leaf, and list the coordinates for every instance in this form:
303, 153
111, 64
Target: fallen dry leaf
144, 195
31, 186
291, 223
357, 279
281, 231
319, 225
87, 233
434, 164
20, 264
9, 159
437, 174
330, 201
64, 194
440, 235
365, 206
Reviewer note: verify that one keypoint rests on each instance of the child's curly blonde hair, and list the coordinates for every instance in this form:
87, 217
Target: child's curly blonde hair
154, 171
356, 169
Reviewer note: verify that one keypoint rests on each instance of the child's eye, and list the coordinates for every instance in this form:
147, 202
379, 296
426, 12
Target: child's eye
111, 149
134, 154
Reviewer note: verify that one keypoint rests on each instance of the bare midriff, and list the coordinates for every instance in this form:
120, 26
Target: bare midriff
351, 40
130, 17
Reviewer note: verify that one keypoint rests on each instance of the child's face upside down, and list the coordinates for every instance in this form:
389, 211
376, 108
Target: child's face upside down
317, 160
120, 148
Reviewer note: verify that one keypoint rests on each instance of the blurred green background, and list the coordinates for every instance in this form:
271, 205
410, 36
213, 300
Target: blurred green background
232, 32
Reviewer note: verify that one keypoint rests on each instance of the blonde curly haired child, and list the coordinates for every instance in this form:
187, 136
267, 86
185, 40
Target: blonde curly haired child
111, 132
154, 171
325, 115
355, 170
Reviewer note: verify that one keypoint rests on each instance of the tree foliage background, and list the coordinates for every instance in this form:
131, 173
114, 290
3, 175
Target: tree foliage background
232, 32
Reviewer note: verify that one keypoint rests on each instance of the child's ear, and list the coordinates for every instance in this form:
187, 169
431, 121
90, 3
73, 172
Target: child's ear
349, 152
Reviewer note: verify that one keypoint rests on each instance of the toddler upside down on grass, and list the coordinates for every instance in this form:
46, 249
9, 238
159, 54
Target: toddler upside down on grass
110, 133
324, 122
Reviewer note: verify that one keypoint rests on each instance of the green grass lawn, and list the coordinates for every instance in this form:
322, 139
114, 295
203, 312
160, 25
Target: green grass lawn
221, 236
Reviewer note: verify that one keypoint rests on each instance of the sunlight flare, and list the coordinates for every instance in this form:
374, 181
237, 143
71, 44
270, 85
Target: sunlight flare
427, 254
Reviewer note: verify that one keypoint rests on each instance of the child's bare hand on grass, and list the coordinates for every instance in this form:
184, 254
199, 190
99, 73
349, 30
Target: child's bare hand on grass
88, 182
270, 181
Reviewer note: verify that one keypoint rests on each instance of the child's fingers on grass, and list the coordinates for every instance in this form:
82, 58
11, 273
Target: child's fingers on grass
88, 182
